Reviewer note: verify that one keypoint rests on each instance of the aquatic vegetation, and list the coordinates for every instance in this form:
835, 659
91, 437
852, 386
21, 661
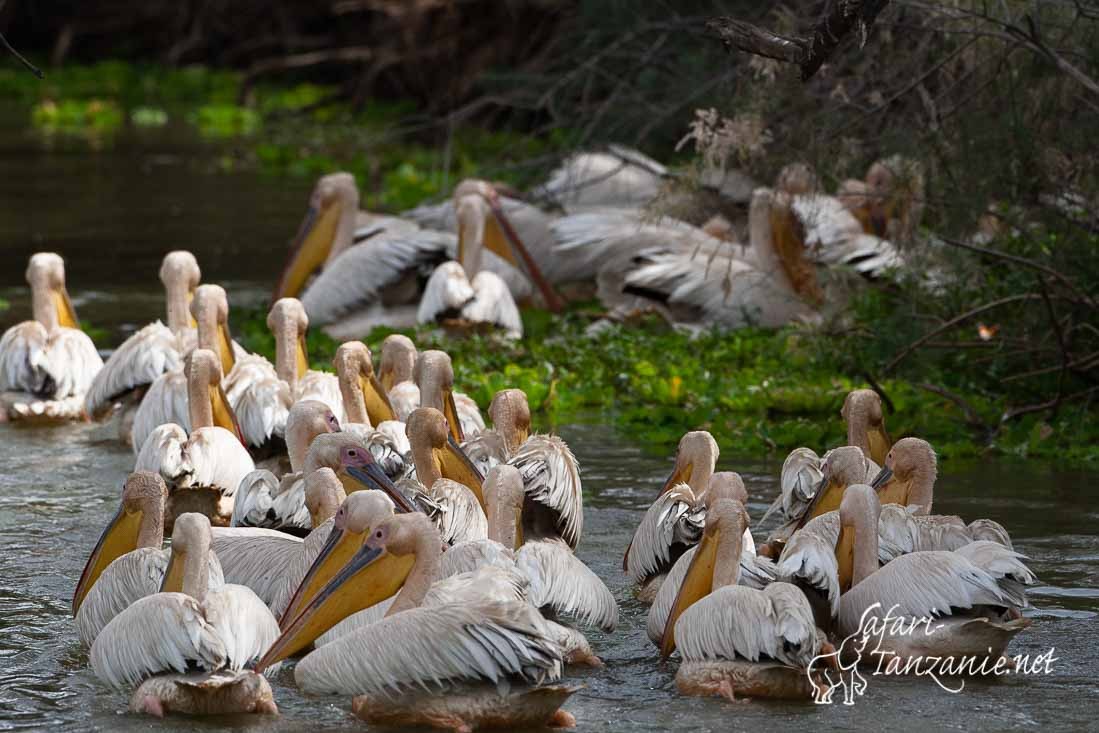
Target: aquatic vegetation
149, 117
94, 117
225, 120
759, 392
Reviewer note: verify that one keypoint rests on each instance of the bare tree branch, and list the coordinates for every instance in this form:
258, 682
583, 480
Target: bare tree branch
33, 69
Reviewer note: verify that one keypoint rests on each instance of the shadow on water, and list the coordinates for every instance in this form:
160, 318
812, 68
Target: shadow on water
113, 214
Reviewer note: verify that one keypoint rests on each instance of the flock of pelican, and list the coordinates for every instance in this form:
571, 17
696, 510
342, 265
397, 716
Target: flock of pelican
369, 525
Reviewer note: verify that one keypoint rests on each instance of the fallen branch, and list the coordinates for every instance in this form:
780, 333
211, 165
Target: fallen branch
808, 53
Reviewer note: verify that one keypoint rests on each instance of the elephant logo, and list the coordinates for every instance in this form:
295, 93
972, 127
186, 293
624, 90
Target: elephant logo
839, 667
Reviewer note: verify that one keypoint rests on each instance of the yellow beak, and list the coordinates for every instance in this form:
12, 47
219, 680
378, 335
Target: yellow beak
302, 357
828, 497
310, 249
378, 408
117, 539
371, 576
173, 574
845, 557
697, 584
224, 417
879, 443
225, 349
450, 412
341, 546
455, 465
66, 314
680, 475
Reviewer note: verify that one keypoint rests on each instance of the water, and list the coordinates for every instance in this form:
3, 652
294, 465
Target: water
114, 213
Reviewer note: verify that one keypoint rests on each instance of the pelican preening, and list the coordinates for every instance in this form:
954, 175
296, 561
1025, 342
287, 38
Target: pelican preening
189, 647
47, 365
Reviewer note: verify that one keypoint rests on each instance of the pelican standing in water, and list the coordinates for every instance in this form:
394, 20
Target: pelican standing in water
736, 640
188, 648
204, 468
48, 364
396, 372
476, 664
127, 562
150, 352
974, 595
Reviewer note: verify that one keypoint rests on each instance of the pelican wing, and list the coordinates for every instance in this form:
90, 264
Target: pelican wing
735, 622
455, 512
621, 177
432, 648
798, 482
469, 414
674, 519
141, 358
356, 277
559, 580
164, 452
835, 237
243, 622
447, 292
922, 585
323, 387
809, 558
551, 478
261, 401
387, 444
404, 398
256, 558
73, 362
463, 557
132, 576
165, 402
298, 565
165, 632
987, 529
24, 365
220, 461
493, 303
485, 450
254, 498
1003, 564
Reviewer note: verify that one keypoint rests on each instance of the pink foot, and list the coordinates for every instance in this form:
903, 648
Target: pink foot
562, 719
152, 706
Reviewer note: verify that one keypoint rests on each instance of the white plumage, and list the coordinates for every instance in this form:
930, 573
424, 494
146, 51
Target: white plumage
46, 374
551, 478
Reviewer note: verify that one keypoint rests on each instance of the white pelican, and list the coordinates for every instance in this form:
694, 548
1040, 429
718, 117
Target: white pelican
150, 352
618, 177
510, 415
396, 373
48, 364
475, 663
736, 640
366, 405
267, 502
166, 399
127, 562
434, 376
714, 286
289, 324
187, 648
755, 571
204, 468
972, 595
907, 476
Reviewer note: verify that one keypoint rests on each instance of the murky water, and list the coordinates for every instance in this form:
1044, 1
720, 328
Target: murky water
114, 214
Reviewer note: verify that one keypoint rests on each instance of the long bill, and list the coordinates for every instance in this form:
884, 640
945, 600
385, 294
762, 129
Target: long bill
66, 314
697, 584
341, 546
117, 539
879, 443
827, 498
224, 417
310, 249
455, 465
553, 301
450, 412
373, 477
378, 407
371, 576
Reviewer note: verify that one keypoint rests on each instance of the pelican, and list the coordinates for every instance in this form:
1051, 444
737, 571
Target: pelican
908, 475
434, 375
673, 523
166, 399
618, 177
272, 503
475, 663
289, 323
366, 404
888, 202
127, 562
204, 468
736, 640
150, 352
187, 648
714, 286
755, 571
48, 364
975, 609
396, 374
448, 486
510, 415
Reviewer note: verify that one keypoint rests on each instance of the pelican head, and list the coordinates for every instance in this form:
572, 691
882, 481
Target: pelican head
50, 299
362, 392
504, 496
839, 468
862, 411
377, 570
210, 309
323, 495
306, 420
139, 522
859, 511
288, 323
908, 475
398, 360
328, 228
353, 464
726, 485
695, 459
716, 562
437, 455
434, 375
354, 520
180, 275
510, 415
186, 571
209, 407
